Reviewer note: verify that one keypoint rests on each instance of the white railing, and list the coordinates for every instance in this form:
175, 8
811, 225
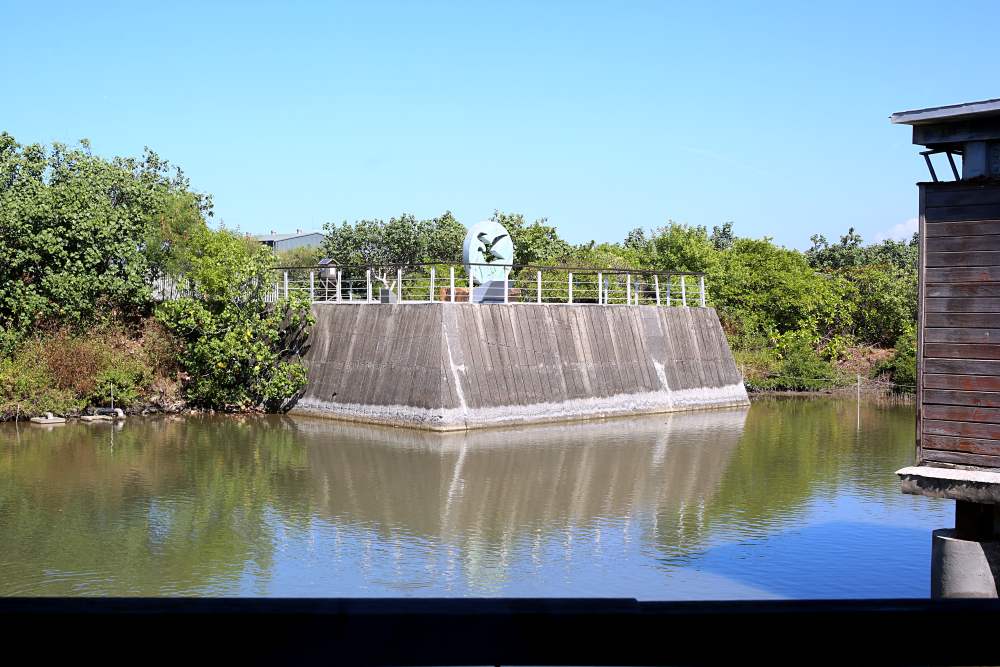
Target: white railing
427, 283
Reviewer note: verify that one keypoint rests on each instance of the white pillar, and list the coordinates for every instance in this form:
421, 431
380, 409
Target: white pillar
683, 292
506, 286
701, 289
312, 286
570, 298
432, 284
451, 279
656, 286
368, 285
399, 285
339, 277
538, 278
600, 288
628, 288
286, 284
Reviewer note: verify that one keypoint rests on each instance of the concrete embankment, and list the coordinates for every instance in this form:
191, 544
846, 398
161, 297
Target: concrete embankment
445, 366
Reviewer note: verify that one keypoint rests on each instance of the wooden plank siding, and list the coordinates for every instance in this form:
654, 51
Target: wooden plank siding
958, 346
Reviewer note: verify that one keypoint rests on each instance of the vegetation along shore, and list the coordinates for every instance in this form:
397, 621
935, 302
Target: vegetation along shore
84, 241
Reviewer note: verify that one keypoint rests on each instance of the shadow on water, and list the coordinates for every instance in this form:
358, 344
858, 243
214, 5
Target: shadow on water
660, 506
821, 561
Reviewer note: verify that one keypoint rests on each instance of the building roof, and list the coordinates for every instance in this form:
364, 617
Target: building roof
283, 237
952, 112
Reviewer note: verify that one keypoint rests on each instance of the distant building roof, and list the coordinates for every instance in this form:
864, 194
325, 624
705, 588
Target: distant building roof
263, 238
952, 112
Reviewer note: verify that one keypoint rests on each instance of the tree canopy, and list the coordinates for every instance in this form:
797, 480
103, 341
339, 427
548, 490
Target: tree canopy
79, 234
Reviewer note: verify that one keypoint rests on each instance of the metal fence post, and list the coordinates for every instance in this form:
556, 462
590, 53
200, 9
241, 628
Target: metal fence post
656, 286
538, 278
312, 286
701, 289
286, 284
368, 285
451, 278
339, 276
432, 284
570, 297
600, 288
683, 292
628, 288
399, 284
670, 283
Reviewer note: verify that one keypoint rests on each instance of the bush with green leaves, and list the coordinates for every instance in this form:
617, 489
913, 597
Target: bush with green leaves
122, 383
762, 290
238, 351
27, 388
882, 279
64, 372
885, 299
901, 367
80, 236
798, 366
673, 247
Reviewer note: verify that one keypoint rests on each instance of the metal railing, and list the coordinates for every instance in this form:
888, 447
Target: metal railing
429, 283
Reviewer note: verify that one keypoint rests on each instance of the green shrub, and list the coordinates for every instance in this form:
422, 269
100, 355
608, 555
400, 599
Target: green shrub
122, 383
27, 388
798, 367
901, 367
237, 351
765, 291
80, 236
62, 372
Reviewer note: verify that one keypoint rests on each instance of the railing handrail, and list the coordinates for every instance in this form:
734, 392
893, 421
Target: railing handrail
513, 267
418, 283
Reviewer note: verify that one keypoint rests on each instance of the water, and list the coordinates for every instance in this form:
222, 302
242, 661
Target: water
787, 499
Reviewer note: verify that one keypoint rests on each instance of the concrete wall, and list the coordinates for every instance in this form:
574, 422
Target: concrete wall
446, 366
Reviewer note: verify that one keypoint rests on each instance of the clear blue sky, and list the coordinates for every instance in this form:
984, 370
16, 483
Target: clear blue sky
599, 116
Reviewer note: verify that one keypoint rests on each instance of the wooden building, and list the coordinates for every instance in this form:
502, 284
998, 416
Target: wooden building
958, 337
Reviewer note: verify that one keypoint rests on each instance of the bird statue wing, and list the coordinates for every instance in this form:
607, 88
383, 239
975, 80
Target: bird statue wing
497, 239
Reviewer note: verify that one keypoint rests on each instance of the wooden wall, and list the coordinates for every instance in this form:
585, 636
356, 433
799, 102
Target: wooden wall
958, 393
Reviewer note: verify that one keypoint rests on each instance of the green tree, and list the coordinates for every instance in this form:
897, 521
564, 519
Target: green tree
883, 279
300, 256
901, 367
885, 299
535, 243
444, 235
401, 240
762, 290
82, 236
238, 351
723, 237
848, 252
674, 247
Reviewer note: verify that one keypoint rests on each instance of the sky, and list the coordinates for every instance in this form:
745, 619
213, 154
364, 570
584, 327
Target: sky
600, 117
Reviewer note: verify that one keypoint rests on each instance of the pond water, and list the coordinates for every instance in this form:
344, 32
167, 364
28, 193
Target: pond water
791, 498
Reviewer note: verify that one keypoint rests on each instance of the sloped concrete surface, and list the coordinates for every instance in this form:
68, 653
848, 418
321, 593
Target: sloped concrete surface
451, 366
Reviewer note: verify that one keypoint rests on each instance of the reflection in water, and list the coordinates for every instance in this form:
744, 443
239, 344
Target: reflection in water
669, 506
496, 484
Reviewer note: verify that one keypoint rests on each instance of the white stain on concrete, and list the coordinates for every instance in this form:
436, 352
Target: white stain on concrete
451, 419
